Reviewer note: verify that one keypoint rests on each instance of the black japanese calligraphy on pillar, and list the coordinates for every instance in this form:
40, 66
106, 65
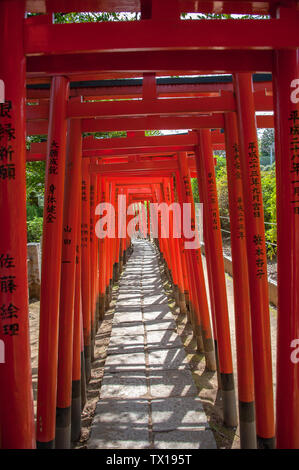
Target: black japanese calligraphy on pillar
92, 202
239, 201
84, 227
212, 195
9, 313
7, 136
257, 200
294, 159
53, 165
67, 231
51, 205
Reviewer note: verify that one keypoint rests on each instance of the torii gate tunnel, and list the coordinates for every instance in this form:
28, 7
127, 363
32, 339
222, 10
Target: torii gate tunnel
219, 80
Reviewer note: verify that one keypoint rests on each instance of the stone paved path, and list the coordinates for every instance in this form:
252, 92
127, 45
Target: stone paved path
148, 397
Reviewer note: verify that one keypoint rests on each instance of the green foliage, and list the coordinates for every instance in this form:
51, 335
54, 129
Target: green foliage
34, 229
33, 211
89, 17
269, 199
222, 190
194, 186
220, 168
267, 147
35, 186
223, 16
35, 178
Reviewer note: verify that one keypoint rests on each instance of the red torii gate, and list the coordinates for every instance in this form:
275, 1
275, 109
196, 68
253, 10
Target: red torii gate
54, 52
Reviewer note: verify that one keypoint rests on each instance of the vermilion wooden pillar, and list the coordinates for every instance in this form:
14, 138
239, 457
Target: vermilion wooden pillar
116, 239
51, 264
78, 365
173, 265
195, 257
67, 287
286, 112
107, 259
257, 259
16, 400
111, 245
180, 242
184, 188
85, 265
178, 255
241, 285
205, 163
148, 219
96, 255
92, 195
123, 226
209, 273
102, 259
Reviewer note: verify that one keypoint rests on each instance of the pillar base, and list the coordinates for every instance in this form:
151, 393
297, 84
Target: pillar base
120, 267
230, 418
209, 353
92, 346
45, 445
182, 303
265, 443
87, 358
102, 298
199, 340
115, 273
187, 299
63, 428
247, 425
107, 301
83, 381
76, 411
176, 293
97, 316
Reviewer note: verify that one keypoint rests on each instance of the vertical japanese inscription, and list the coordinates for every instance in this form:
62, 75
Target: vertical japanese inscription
84, 227
256, 201
239, 201
294, 159
9, 312
212, 195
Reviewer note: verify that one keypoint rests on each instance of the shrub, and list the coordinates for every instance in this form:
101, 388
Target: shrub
34, 229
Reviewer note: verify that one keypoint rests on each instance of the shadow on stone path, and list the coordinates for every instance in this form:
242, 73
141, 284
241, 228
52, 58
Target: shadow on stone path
148, 397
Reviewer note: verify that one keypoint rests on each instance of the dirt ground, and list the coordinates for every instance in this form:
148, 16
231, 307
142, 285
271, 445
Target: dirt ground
205, 381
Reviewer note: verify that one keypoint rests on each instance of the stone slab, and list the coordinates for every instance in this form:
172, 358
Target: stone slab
160, 359
125, 437
128, 329
127, 317
126, 342
157, 312
120, 424
163, 339
187, 439
127, 308
124, 385
160, 325
121, 412
155, 299
172, 383
172, 413
125, 362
